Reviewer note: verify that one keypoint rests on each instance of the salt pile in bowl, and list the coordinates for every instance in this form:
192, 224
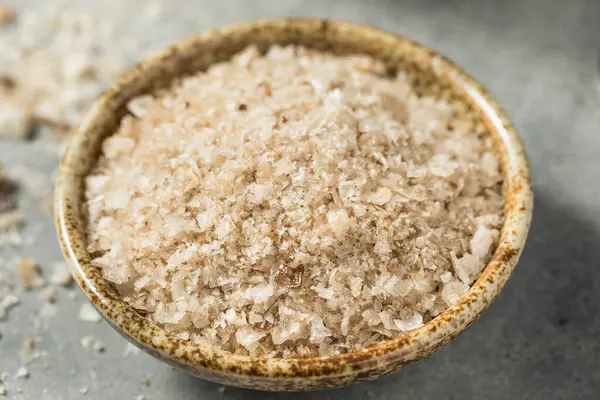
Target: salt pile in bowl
293, 204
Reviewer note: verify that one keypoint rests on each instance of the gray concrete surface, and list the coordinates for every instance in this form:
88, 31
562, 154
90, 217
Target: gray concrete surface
539, 340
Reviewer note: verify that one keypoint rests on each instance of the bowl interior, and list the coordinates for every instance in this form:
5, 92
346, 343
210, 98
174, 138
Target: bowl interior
430, 73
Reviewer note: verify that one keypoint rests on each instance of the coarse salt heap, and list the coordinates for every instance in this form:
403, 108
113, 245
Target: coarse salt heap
293, 204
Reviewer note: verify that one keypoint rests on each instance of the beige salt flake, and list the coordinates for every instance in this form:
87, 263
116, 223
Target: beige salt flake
381, 196
249, 338
339, 221
453, 291
481, 241
410, 323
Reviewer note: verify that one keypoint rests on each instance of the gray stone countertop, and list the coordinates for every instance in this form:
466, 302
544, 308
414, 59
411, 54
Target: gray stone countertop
539, 340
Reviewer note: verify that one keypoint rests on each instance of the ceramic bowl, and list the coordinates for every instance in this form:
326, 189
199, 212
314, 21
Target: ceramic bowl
430, 73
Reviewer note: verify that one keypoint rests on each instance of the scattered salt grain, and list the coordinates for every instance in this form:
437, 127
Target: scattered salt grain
61, 276
22, 373
131, 350
7, 298
48, 294
28, 272
90, 343
8, 15
87, 313
329, 206
15, 120
84, 390
11, 219
28, 351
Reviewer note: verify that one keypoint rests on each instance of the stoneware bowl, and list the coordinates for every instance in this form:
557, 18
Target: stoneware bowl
431, 74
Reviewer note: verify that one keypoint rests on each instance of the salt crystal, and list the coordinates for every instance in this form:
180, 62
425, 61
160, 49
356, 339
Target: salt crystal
248, 337
28, 272
381, 196
355, 286
344, 326
48, 294
347, 190
61, 276
87, 313
7, 301
453, 291
387, 320
22, 373
339, 222
260, 293
482, 241
224, 227
90, 343
371, 317
409, 324
11, 219
318, 331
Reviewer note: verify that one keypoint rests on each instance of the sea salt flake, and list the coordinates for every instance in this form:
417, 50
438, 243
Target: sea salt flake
381, 196
248, 337
409, 324
482, 241
224, 227
453, 291
339, 221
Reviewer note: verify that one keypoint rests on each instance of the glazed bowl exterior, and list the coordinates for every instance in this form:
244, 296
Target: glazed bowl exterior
430, 74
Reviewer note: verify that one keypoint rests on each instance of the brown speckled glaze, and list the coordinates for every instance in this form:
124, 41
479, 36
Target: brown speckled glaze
430, 73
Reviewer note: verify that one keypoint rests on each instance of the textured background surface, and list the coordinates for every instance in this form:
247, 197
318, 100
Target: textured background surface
540, 338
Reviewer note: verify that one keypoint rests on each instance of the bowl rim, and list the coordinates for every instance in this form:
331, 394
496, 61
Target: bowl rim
400, 351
